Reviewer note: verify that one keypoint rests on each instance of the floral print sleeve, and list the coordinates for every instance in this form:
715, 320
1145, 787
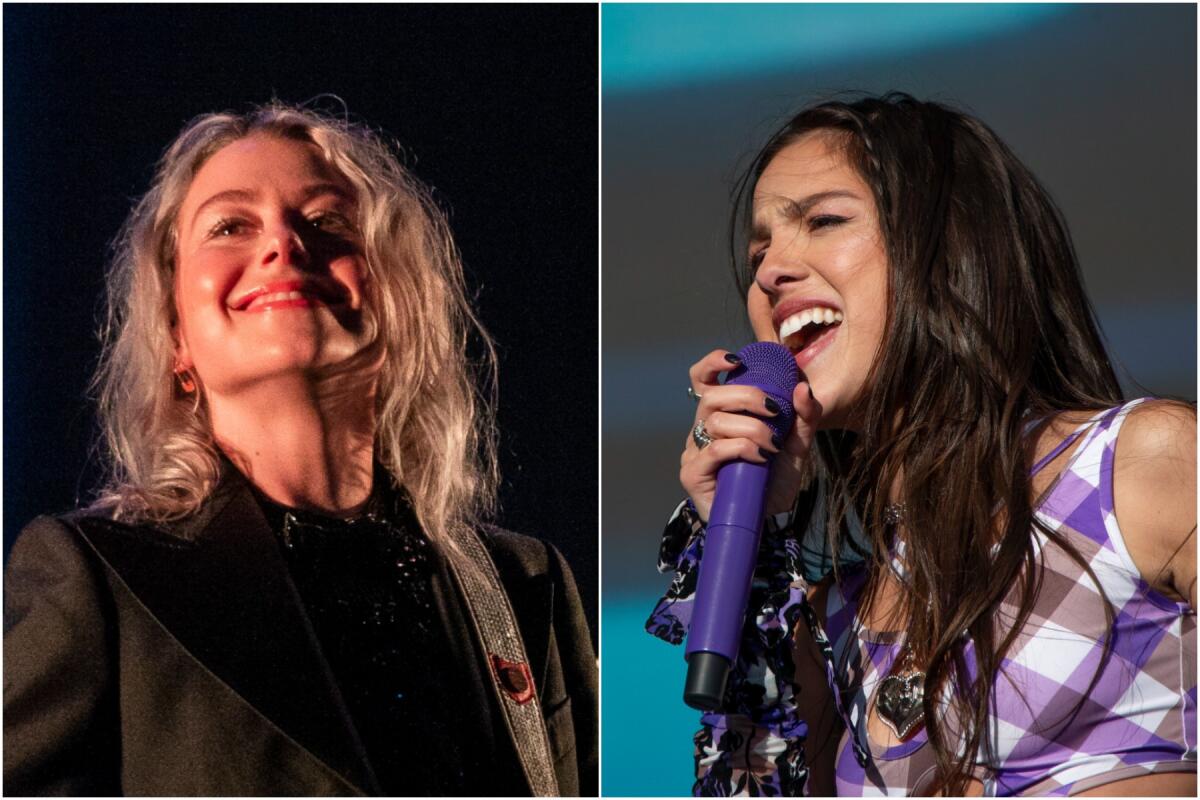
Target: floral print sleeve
755, 744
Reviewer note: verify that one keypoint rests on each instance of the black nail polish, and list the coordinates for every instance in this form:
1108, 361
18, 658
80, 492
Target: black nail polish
765, 453
810, 394
771, 405
777, 440
732, 359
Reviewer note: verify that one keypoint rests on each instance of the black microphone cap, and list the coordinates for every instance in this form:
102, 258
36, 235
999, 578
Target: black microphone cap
706, 676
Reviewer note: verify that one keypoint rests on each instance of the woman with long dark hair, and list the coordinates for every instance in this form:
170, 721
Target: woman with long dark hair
964, 570
286, 585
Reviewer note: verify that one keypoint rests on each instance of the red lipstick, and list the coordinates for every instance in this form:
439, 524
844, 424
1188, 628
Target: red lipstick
295, 293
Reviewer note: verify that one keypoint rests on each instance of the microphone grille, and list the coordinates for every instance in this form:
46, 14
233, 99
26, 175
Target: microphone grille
767, 364
771, 367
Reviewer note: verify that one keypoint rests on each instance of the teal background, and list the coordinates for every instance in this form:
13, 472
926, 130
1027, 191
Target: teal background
1098, 100
654, 46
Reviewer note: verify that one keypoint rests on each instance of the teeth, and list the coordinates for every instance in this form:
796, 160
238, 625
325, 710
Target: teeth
276, 297
820, 315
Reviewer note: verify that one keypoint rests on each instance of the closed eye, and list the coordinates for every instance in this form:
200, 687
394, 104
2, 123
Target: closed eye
815, 223
756, 254
756, 259
825, 221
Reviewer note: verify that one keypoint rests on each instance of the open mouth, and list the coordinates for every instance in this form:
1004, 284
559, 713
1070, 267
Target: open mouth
801, 331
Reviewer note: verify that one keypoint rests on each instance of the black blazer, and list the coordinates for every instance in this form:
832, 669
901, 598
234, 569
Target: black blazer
180, 661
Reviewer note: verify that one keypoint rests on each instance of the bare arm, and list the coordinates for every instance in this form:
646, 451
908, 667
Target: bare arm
1154, 496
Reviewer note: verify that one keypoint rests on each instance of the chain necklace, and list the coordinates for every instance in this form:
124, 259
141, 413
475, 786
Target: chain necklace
902, 693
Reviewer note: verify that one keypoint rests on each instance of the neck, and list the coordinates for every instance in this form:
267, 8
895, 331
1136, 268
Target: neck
301, 445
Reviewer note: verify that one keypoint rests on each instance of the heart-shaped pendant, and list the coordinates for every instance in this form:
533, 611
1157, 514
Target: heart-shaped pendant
899, 703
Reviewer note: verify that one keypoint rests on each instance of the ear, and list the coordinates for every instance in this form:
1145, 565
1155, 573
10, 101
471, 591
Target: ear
183, 356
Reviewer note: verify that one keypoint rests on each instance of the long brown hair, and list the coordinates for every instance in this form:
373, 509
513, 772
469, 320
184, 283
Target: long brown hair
988, 327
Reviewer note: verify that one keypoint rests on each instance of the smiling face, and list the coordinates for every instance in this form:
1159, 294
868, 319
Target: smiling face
820, 281
270, 275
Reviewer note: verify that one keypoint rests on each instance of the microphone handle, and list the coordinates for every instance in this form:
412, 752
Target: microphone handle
730, 553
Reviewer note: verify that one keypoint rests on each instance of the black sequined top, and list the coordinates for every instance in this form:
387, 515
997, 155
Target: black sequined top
368, 585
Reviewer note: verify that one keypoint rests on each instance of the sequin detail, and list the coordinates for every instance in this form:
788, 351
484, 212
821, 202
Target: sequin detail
367, 585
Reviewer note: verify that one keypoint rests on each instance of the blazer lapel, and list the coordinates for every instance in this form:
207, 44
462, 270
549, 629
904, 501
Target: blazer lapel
219, 585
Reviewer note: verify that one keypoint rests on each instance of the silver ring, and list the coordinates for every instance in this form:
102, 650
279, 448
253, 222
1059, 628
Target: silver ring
700, 436
692, 393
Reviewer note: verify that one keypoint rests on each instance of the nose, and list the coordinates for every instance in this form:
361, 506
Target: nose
283, 246
778, 268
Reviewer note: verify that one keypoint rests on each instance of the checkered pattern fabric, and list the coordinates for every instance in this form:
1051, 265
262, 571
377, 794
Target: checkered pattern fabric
1138, 718
1050, 734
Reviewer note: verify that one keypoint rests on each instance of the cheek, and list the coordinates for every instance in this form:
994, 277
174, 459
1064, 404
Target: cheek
758, 308
207, 280
873, 276
870, 297
352, 273
201, 290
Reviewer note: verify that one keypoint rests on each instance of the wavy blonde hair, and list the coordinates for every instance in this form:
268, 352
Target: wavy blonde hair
435, 429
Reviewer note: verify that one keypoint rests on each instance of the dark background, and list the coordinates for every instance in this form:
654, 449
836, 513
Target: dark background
496, 108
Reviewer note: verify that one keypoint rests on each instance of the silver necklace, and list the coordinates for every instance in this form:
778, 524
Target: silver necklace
901, 695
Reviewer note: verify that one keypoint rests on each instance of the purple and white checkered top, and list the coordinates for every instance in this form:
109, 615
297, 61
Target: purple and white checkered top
1139, 718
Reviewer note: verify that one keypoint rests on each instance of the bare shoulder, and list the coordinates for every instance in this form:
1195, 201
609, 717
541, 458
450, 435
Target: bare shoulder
1154, 494
1161, 429
1049, 435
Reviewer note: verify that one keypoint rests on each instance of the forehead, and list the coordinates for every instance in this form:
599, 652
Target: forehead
261, 162
817, 162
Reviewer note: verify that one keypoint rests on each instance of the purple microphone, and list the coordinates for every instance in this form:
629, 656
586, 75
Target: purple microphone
731, 542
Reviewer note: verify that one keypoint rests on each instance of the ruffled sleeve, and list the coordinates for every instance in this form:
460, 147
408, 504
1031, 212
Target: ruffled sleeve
679, 554
755, 743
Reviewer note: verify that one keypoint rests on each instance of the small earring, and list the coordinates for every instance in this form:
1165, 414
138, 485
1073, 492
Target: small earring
186, 381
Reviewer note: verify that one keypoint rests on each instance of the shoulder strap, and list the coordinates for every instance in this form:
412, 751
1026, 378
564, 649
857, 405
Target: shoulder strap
495, 627
1058, 448
1085, 427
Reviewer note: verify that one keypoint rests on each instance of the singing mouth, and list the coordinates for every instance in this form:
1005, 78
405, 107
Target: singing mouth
800, 330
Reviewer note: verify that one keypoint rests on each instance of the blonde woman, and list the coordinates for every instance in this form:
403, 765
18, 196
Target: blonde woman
285, 586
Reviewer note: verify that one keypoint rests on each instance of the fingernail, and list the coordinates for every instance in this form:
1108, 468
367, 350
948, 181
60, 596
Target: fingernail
771, 405
810, 394
777, 440
765, 453
732, 359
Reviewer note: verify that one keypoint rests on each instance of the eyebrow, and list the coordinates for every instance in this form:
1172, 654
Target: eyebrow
248, 196
798, 208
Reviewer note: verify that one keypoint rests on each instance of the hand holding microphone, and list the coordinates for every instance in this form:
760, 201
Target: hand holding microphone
733, 417
745, 422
